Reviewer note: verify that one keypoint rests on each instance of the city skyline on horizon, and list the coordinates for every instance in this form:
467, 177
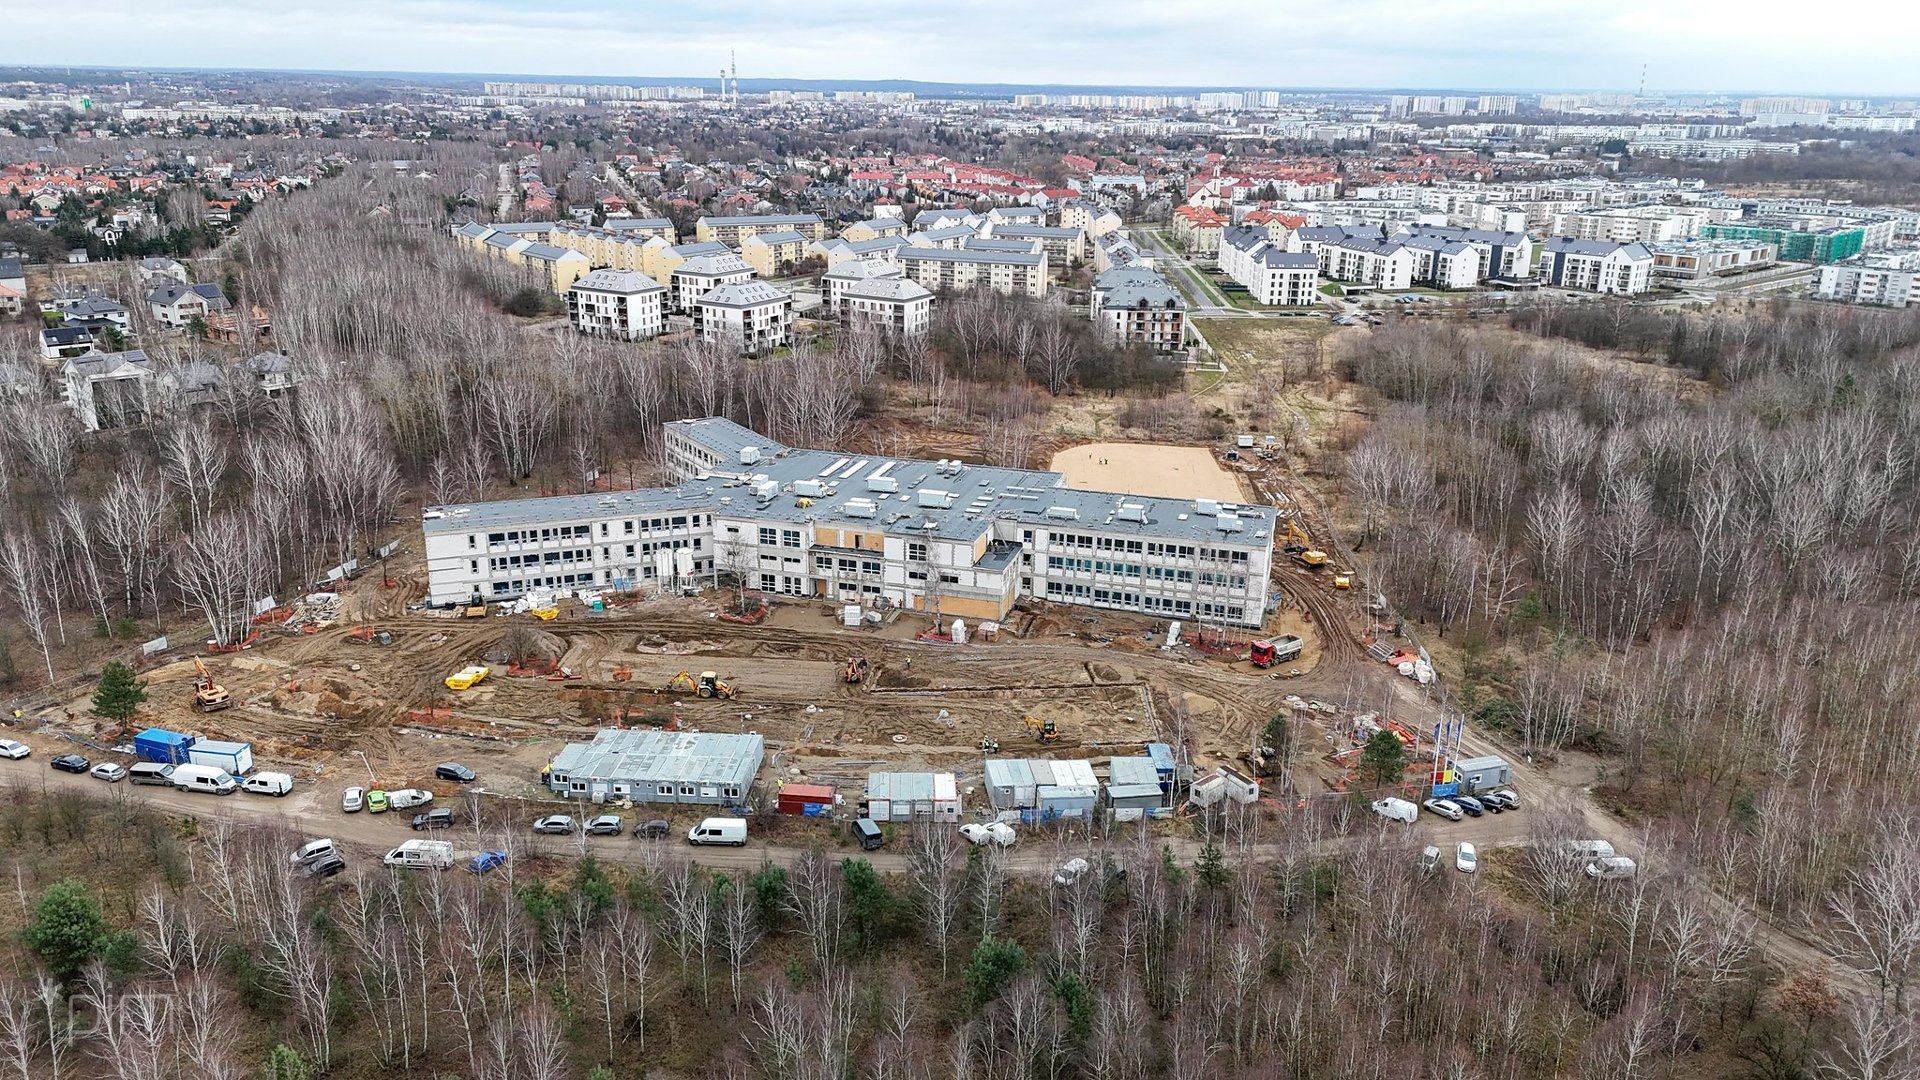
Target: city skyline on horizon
1459, 44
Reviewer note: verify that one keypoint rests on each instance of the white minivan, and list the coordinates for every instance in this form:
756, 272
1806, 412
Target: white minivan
205, 778
1590, 849
719, 830
421, 854
268, 783
1397, 810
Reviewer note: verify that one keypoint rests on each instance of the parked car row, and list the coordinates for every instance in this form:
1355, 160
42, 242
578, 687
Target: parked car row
379, 801
1457, 807
187, 777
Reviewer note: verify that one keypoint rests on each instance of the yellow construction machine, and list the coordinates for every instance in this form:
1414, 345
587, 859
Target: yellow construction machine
208, 696
1295, 541
1045, 730
707, 684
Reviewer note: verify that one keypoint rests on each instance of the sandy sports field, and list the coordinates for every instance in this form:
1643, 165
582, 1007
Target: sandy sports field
1174, 472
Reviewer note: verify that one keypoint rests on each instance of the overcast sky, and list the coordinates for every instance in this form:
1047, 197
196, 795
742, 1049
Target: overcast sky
1858, 46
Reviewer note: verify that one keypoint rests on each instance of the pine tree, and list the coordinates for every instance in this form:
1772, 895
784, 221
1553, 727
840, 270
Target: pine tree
1384, 759
119, 694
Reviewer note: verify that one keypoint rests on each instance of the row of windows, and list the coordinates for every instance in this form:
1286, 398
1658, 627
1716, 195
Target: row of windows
1221, 611
1057, 590
568, 532
1226, 555
1224, 581
502, 588
826, 565
783, 537
547, 558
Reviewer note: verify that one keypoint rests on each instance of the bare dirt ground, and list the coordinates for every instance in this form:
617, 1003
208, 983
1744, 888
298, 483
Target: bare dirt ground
1172, 472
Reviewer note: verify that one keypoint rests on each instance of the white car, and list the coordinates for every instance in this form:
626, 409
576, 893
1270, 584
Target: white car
14, 750
1612, 868
998, 833
1071, 871
1466, 858
353, 800
408, 797
313, 851
109, 772
1446, 808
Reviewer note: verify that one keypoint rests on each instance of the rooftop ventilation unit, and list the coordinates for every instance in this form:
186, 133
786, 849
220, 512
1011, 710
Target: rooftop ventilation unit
859, 508
1131, 512
876, 482
765, 490
1206, 507
809, 488
936, 500
749, 455
1227, 523
1063, 513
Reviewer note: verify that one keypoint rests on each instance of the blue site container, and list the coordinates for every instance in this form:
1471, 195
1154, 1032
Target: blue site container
163, 746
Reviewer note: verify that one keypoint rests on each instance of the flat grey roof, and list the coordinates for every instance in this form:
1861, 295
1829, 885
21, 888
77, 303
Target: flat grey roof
972, 498
765, 219
650, 756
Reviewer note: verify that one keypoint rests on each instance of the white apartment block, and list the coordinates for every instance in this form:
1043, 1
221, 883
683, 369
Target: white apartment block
1272, 274
1596, 266
1633, 224
1064, 248
834, 282
754, 317
1883, 279
958, 271
702, 274
1691, 260
900, 308
1374, 263
937, 536
623, 304
1137, 306
1452, 258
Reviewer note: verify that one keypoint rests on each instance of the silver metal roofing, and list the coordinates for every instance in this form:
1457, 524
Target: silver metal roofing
886, 288
899, 496
744, 294
627, 282
863, 270
764, 219
651, 756
1124, 771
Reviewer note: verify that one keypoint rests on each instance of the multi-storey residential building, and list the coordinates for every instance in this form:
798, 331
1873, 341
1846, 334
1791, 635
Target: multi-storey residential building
1137, 306
1633, 224
1198, 229
835, 281
774, 254
1797, 240
624, 304
1272, 274
901, 308
1595, 265
874, 229
703, 273
1065, 248
1454, 258
753, 316
557, 267
732, 230
840, 250
943, 237
958, 271
1885, 279
937, 536
1376, 263
616, 248
1690, 260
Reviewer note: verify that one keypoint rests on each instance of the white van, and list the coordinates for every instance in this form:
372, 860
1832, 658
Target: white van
421, 854
719, 830
268, 783
1590, 849
1397, 810
204, 778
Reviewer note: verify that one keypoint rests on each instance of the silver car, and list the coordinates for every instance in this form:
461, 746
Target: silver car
557, 824
353, 800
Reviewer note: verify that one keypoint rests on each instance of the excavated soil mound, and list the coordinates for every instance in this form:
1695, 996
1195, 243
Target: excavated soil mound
523, 643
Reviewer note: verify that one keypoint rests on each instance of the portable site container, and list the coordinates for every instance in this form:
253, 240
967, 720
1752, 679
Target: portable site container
162, 746
234, 758
1240, 787
1133, 782
1134, 796
1207, 790
907, 796
1060, 801
1482, 774
806, 800
1009, 783
1163, 763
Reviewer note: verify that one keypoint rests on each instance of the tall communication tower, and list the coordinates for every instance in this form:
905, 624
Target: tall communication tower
733, 61
1643, 79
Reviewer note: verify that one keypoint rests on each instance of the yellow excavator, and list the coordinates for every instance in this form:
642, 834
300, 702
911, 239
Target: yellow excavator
208, 696
707, 684
1045, 730
1298, 544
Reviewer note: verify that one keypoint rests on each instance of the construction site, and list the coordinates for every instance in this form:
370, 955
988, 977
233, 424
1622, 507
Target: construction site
365, 685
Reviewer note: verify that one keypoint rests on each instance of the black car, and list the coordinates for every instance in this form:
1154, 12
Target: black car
652, 830
433, 819
448, 770
1474, 807
326, 867
72, 763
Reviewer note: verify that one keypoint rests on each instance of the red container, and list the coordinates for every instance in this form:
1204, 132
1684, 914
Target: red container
805, 799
